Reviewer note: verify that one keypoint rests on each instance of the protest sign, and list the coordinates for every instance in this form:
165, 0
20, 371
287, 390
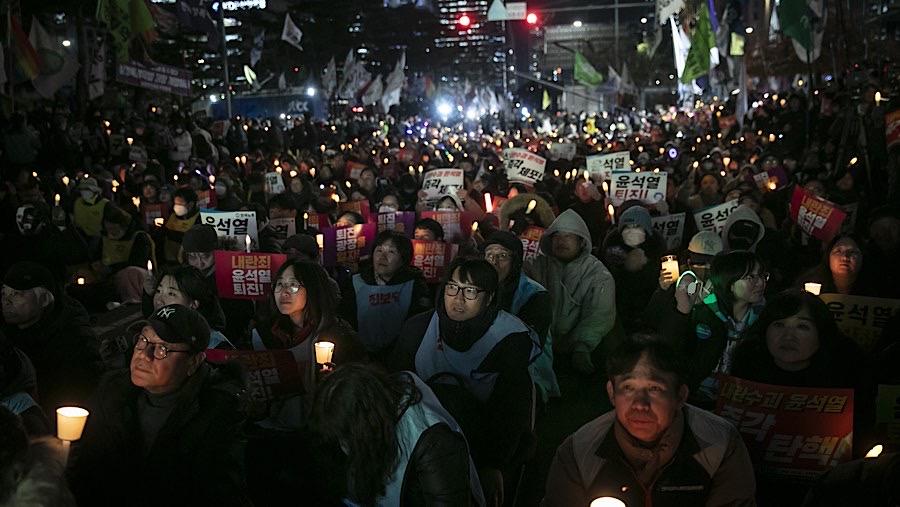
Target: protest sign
646, 187
671, 228
604, 165
274, 183
137, 154
861, 318
207, 199
892, 129
361, 207
713, 218
272, 374
817, 217
354, 169
150, 212
790, 432
531, 241
457, 224
887, 414
433, 257
318, 221
523, 166
241, 275
441, 182
400, 221
563, 151
234, 226
283, 228
347, 244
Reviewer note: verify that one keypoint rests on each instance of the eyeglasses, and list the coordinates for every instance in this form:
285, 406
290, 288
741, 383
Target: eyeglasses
292, 287
753, 278
470, 293
499, 257
160, 351
848, 252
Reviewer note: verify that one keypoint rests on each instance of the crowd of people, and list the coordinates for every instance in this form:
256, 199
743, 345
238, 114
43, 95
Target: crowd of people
581, 370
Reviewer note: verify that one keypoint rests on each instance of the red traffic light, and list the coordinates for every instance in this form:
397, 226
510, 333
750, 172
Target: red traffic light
531, 18
465, 20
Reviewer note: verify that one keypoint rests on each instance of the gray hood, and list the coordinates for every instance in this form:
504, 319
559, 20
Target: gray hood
567, 221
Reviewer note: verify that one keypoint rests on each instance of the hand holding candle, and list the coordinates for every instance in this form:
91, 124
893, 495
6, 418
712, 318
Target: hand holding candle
324, 353
813, 288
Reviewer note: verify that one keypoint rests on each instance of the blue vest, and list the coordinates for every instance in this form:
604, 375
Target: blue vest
381, 311
18, 402
216, 338
542, 368
434, 356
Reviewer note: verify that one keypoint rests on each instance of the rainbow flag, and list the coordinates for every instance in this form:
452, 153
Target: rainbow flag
27, 58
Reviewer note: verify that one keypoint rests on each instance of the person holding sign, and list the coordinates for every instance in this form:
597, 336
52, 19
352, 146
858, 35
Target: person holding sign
653, 448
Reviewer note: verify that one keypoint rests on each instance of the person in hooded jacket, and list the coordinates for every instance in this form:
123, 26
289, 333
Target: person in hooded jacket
582, 290
744, 230
125, 250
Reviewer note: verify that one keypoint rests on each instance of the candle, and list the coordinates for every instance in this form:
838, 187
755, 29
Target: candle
877, 98
136, 201
587, 176
488, 203
175, 178
335, 198
80, 281
320, 239
670, 267
237, 160
474, 226
612, 213
293, 173
771, 138
70, 423
773, 185
348, 183
813, 288
277, 162
607, 501
556, 173
605, 186
243, 159
531, 204
158, 222
278, 170
247, 242
324, 351
56, 200
726, 161
65, 181
312, 172
150, 266
212, 179
322, 148
874, 452
306, 220
129, 140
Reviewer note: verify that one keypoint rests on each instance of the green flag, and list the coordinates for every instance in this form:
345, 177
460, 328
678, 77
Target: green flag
794, 18
585, 73
125, 20
703, 40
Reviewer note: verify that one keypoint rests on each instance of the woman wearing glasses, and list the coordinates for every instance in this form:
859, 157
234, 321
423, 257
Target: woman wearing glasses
171, 423
476, 358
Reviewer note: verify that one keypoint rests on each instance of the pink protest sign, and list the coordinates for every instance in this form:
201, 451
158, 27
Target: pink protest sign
531, 241
347, 244
361, 207
400, 221
817, 217
241, 275
457, 224
316, 220
272, 374
433, 257
150, 212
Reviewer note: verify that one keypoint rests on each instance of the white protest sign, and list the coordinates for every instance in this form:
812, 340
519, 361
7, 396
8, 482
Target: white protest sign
670, 227
563, 150
713, 218
274, 183
442, 182
284, 228
234, 226
649, 188
604, 165
524, 166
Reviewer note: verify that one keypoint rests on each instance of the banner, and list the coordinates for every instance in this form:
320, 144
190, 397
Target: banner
439, 183
861, 318
283, 228
562, 150
159, 77
197, 15
400, 221
347, 244
523, 166
713, 218
290, 33
433, 258
151, 212
457, 225
274, 183
361, 207
670, 227
604, 165
649, 188
816, 216
531, 241
272, 374
235, 226
241, 275
790, 432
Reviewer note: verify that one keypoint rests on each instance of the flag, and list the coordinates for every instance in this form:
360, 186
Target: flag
793, 16
666, 8
497, 11
97, 80
373, 91
329, 79
125, 20
585, 73
27, 58
291, 33
59, 66
256, 52
349, 61
389, 99
545, 101
355, 81
397, 77
195, 14
141, 20
816, 16
703, 41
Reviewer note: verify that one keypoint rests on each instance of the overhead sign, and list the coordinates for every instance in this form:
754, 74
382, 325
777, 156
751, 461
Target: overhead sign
271, 106
516, 10
161, 78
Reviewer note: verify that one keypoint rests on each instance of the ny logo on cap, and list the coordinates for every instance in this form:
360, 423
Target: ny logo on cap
165, 312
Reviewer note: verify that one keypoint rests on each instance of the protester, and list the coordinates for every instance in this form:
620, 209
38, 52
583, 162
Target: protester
125, 250
18, 389
185, 214
843, 269
87, 214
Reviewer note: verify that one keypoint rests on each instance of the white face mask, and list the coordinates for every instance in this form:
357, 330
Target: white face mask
179, 210
633, 236
447, 209
221, 189
87, 195
386, 209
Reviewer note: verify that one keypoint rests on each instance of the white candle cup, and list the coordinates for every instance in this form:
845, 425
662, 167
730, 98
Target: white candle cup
607, 501
70, 423
324, 351
670, 265
813, 288
159, 222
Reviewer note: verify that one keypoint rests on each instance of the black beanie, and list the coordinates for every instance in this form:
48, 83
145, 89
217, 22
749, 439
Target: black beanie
510, 242
200, 238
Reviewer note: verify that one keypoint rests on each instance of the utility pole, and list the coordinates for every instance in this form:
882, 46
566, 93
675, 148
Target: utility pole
225, 59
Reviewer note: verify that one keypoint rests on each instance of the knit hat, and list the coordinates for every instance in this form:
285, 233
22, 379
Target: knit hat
89, 184
637, 215
25, 275
704, 246
180, 324
508, 241
200, 238
303, 243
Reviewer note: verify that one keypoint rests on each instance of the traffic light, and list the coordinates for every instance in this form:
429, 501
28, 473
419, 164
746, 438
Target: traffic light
531, 18
465, 21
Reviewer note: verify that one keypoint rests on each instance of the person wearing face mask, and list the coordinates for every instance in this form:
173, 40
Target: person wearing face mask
185, 214
125, 250
181, 152
632, 254
38, 240
226, 196
88, 209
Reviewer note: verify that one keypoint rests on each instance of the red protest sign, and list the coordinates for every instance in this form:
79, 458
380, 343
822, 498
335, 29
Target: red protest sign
400, 221
207, 200
354, 169
241, 275
361, 207
817, 217
457, 224
531, 241
272, 374
433, 257
316, 220
150, 212
794, 432
347, 244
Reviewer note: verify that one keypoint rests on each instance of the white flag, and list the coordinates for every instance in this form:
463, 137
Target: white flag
97, 83
397, 76
257, 51
282, 82
59, 66
349, 62
329, 79
354, 81
291, 33
373, 91
389, 99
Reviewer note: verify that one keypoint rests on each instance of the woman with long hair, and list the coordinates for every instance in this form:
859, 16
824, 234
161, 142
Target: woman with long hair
843, 269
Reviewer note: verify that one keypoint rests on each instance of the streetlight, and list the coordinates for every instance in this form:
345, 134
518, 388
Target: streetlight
577, 24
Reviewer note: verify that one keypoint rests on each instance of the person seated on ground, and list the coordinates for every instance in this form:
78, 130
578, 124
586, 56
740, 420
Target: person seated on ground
347, 218
171, 420
385, 293
87, 213
863, 481
744, 230
54, 331
476, 357
407, 450
653, 448
428, 229
305, 247
843, 269
582, 290
18, 388
303, 313
527, 300
185, 214
186, 286
125, 250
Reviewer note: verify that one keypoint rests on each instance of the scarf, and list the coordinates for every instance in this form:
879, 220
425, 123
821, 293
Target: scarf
284, 335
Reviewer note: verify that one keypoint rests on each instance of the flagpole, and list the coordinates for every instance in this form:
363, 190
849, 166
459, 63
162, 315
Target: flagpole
9, 75
225, 59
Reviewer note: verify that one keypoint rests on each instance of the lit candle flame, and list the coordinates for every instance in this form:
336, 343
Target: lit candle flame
877, 98
56, 200
65, 181
159, 222
875, 451
488, 203
129, 140
772, 185
474, 226
531, 204
312, 172
278, 170
247, 242
149, 266
322, 148
605, 186
293, 173
136, 201
722, 173
80, 281
853, 161
612, 213
212, 179
335, 198
348, 183
587, 176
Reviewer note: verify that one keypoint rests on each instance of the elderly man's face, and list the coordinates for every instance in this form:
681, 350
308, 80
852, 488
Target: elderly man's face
21, 308
646, 400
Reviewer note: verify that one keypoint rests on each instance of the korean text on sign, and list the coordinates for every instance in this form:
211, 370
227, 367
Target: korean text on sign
670, 227
274, 183
646, 187
563, 150
522, 165
457, 225
271, 374
400, 221
713, 218
861, 318
347, 244
441, 182
816, 216
233, 225
433, 257
604, 165
531, 241
242, 275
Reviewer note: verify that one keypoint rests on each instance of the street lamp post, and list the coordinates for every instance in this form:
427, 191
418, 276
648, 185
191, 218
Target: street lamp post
221, 10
